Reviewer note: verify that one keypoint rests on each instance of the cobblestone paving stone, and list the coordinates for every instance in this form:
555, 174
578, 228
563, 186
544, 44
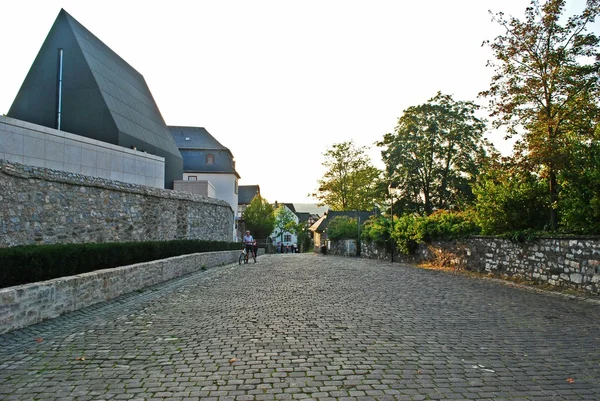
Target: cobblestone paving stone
312, 327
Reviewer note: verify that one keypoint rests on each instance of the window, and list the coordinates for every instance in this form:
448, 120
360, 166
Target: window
192, 178
235, 187
287, 238
210, 159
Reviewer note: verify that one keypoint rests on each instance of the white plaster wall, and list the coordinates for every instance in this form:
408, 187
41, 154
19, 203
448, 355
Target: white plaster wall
276, 234
199, 187
40, 146
224, 185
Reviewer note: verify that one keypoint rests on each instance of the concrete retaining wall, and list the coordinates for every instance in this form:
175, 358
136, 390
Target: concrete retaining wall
24, 305
39, 146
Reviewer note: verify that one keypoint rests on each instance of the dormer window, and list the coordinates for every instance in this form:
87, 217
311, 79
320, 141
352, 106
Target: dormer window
210, 159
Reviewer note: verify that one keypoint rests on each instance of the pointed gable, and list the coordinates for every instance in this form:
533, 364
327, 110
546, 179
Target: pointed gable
103, 97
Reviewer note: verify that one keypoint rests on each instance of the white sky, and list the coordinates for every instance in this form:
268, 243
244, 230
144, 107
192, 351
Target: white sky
278, 82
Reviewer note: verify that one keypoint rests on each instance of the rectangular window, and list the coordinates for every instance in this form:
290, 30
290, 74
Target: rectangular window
192, 178
287, 238
235, 187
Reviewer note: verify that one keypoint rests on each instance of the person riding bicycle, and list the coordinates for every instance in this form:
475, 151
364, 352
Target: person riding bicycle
249, 243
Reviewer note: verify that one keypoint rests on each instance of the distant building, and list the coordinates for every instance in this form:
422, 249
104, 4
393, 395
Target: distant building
281, 236
79, 85
319, 228
245, 195
208, 166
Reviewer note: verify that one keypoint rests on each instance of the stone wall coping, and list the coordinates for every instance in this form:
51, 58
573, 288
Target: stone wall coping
549, 237
27, 304
30, 172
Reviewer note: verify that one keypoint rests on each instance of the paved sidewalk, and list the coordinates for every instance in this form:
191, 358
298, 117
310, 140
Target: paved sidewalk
304, 326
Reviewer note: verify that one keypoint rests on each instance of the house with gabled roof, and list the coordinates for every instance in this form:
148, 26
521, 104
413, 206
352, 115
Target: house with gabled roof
206, 164
319, 228
77, 84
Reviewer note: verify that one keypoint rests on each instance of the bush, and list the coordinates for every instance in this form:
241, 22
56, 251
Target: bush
377, 230
28, 264
511, 201
342, 227
447, 225
412, 230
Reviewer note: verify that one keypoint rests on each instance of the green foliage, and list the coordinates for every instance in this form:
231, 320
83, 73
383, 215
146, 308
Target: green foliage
434, 154
411, 230
510, 200
579, 202
546, 85
447, 225
27, 264
350, 181
405, 234
284, 220
342, 227
260, 217
377, 229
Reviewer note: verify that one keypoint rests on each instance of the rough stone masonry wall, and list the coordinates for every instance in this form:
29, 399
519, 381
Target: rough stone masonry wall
43, 206
562, 262
28, 304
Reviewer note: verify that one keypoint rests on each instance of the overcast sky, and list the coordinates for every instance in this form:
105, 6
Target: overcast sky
278, 82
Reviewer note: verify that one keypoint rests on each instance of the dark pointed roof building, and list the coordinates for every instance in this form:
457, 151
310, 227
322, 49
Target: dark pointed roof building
95, 94
196, 145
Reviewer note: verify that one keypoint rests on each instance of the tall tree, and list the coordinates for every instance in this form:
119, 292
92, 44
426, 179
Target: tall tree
434, 153
260, 217
284, 220
545, 87
350, 180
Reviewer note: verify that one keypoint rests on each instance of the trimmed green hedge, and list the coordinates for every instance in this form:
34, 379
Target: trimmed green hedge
28, 264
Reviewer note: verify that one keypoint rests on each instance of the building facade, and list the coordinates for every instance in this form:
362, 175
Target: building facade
77, 84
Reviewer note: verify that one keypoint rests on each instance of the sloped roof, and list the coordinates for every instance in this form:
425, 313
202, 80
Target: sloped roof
195, 161
124, 89
195, 144
102, 96
321, 224
246, 193
194, 138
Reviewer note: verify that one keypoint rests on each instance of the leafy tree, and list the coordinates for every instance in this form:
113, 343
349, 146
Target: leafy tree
284, 220
546, 85
579, 201
510, 198
259, 217
301, 231
434, 153
350, 180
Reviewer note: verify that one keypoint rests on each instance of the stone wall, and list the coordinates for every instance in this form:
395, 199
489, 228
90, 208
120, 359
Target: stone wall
342, 247
563, 262
39, 146
42, 206
24, 305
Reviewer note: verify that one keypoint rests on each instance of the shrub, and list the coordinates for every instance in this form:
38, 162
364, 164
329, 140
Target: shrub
342, 227
377, 230
27, 264
411, 230
510, 200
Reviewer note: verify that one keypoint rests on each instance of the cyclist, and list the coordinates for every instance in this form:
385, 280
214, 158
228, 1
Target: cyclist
249, 244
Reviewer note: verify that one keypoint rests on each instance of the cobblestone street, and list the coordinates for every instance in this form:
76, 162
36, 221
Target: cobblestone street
307, 326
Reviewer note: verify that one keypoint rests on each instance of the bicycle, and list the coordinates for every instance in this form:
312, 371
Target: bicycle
244, 256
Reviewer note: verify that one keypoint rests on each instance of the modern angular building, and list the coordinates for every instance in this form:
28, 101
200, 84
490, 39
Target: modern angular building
79, 85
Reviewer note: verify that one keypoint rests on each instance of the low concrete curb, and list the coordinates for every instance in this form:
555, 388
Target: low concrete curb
24, 305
